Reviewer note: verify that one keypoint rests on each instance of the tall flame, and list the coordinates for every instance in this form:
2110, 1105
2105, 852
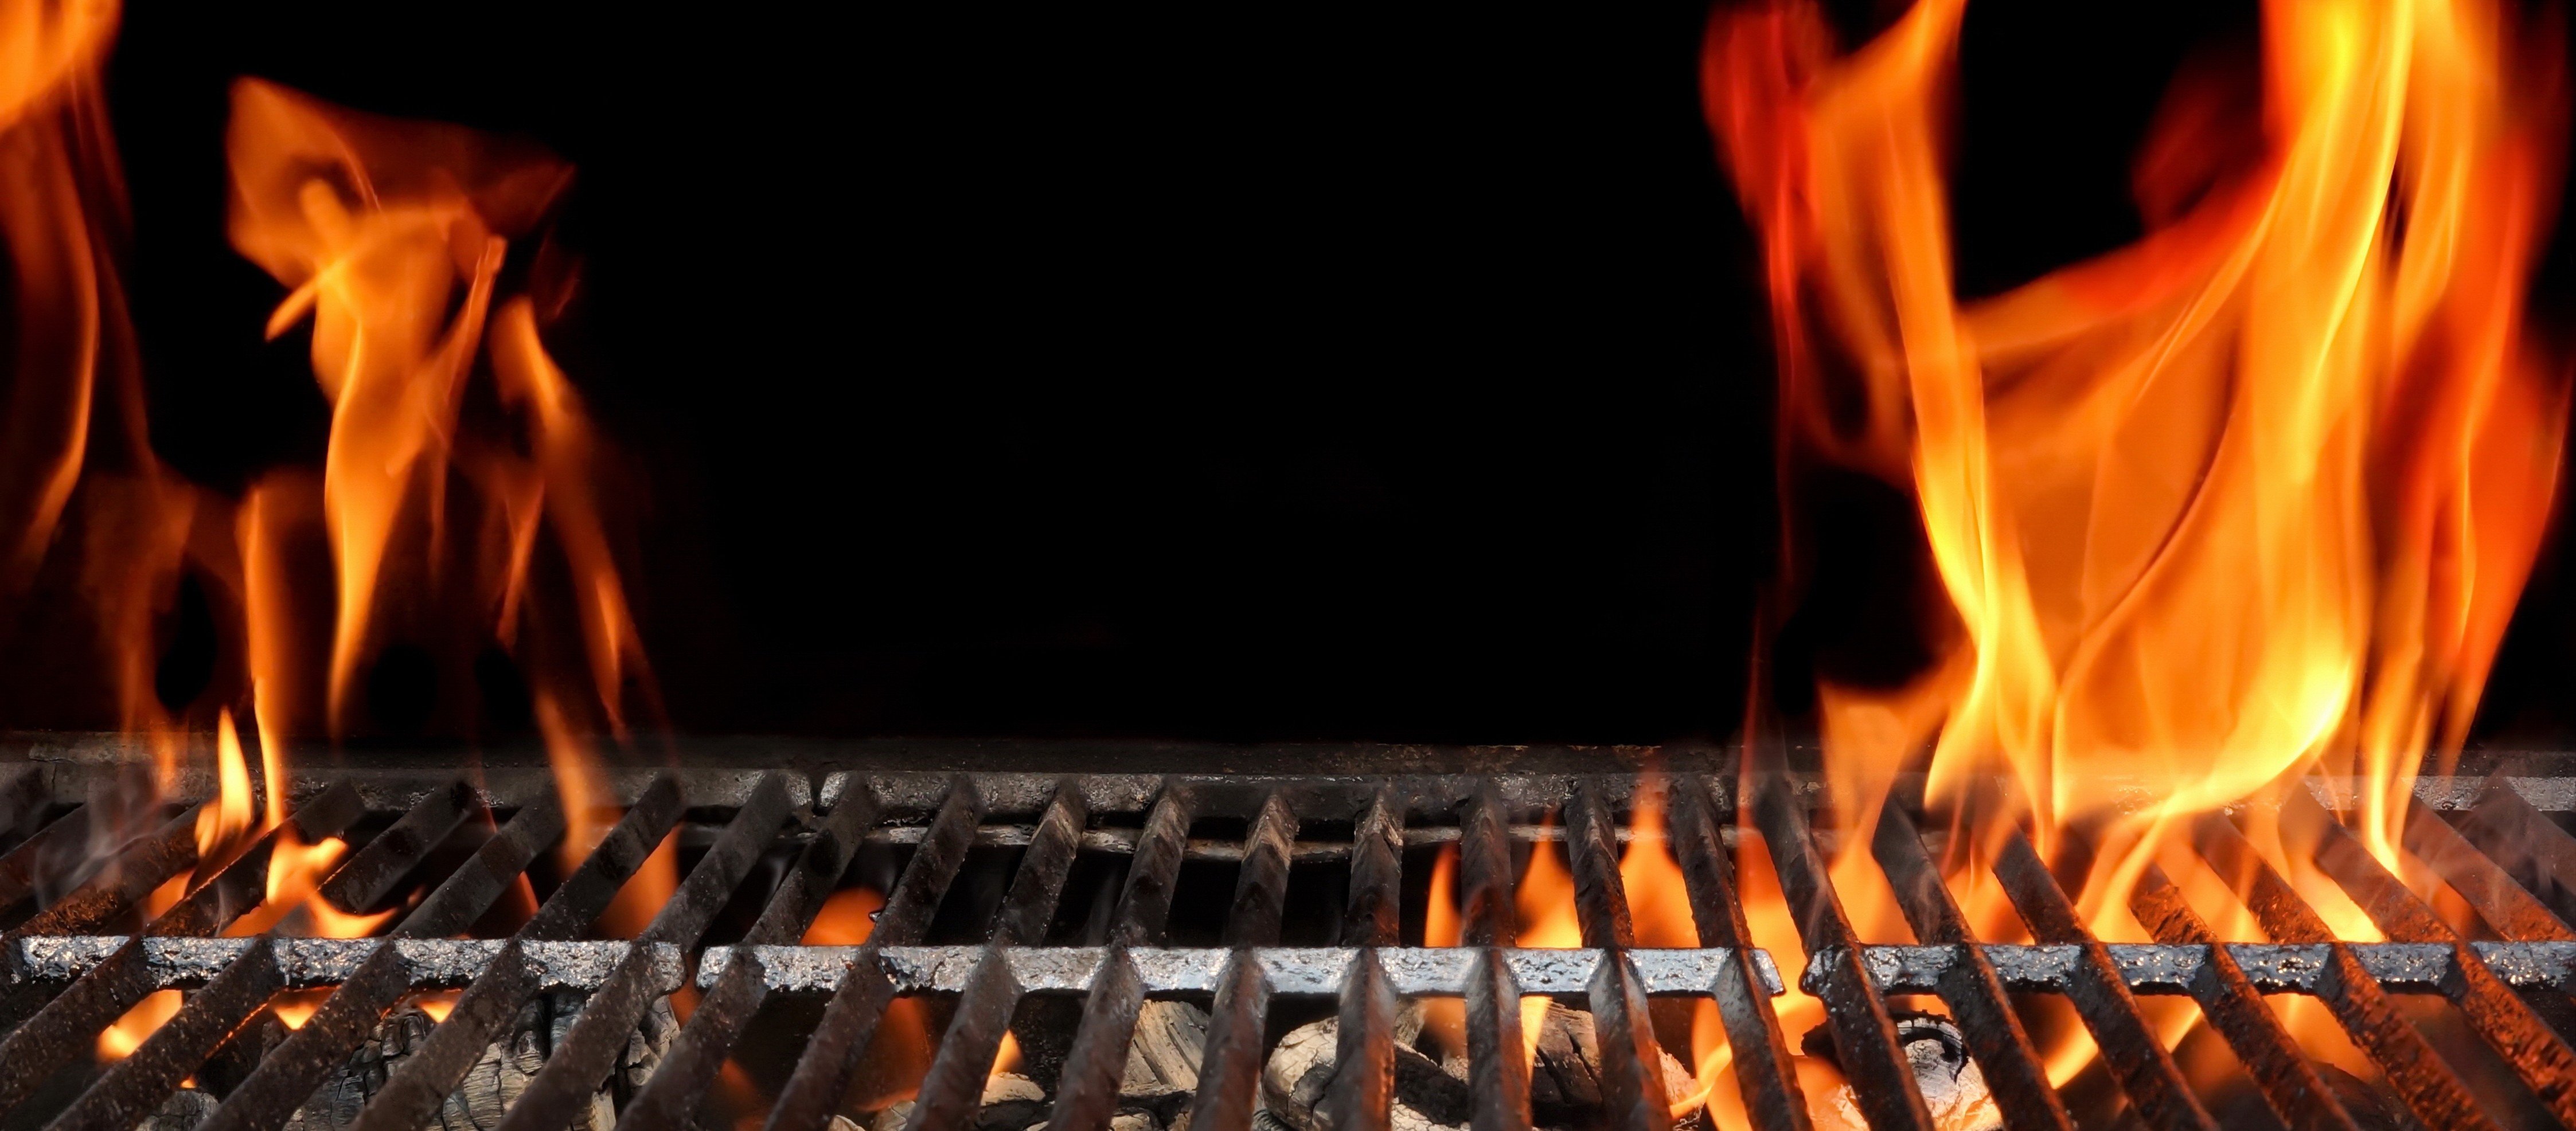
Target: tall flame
2249, 499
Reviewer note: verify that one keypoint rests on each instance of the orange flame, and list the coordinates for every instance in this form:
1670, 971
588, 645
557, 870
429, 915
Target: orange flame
846, 918
223, 823
2247, 500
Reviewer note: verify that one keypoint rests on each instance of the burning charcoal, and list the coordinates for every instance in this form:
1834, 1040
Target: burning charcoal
183, 1111
1163, 1056
497, 1078
1012, 1102
1300, 1074
1952, 1086
1565, 1083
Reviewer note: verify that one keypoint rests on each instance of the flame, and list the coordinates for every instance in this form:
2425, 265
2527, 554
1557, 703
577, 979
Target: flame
644, 893
221, 825
1006, 1058
438, 1005
2249, 499
294, 897
119, 1040
846, 918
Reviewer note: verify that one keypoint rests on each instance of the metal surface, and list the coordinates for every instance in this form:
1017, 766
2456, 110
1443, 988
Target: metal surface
1054, 906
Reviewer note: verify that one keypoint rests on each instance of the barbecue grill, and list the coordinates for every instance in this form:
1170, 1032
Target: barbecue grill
1059, 906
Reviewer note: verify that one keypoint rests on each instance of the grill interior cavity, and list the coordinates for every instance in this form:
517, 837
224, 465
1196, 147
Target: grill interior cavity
1149, 951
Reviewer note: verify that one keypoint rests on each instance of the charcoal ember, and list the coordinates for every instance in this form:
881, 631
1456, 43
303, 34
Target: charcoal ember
1953, 1088
1300, 1073
497, 1078
183, 1111
1163, 1055
1012, 1102
1565, 1082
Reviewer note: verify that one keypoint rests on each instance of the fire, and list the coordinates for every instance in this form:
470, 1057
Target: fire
119, 1040
846, 918
1006, 1058
2248, 500
644, 893
221, 824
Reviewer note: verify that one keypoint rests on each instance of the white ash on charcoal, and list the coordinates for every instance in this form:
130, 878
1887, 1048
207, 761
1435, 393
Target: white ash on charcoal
1154, 1091
1565, 1082
499, 1076
1300, 1073
183, 1111
1012, 1102
1953, 1088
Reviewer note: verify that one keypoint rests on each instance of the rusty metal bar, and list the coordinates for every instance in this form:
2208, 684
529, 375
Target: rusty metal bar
2015, 1075
1600, 897
814, 1088
1087, 1089
813, 1091
488, 1007
1485, 870
2357, 1000
1030, 906
676, 1090
1363, 1086
1374, 917
1632, 1065
2289, 1083
2528, 845
1772, 1098
933, 866
2499, 1016
1261, 886
2145, 1070
586, 1055
1230, 1067
2488, 887
1497, 1068
60, 1030
1145, 904
1863, 1033
953, 1090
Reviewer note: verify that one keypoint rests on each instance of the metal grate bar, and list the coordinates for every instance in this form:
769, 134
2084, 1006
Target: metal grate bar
906, 914
2507, 906
678, 1088
953, 1089
1377, 874
589, 1053
61, 1029
1485, 871
2501, 1018
1361, 1094
136, 1086
1497, 1069
1600, 897
290, 1073
823, 1072
2146, 1072
418, 1088
1261, 886
1772, 1098
1230, 1068
19, 867
813, 1090
2542, 856
2359, 1002
1864, 1036
372, 873
1030, 906
1632, 1066
133, 874
2289, 1083
2015, 1075
1145, 904
1087, 1090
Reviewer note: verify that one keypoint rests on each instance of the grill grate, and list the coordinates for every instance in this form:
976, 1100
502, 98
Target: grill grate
67, 977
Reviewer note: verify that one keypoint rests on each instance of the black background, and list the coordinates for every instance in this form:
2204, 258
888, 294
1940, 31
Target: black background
1238, 372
